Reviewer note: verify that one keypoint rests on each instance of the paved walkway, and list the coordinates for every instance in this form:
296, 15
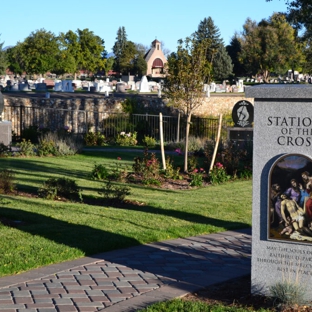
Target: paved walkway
129, 279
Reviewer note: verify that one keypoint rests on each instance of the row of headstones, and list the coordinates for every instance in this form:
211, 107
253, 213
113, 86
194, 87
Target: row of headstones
213, 87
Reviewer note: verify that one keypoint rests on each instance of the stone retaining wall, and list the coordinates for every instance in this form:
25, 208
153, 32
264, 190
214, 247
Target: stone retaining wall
212, 106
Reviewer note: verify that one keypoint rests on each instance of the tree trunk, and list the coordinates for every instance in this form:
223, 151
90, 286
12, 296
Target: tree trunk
187, 131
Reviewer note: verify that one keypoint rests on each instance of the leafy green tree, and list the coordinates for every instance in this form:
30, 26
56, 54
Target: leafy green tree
207, 30
222, 64
139, 65
3, 59
14, 57
69, 54
187, 69
270, 46
80, 50
119, 46
299, 14
109, 64
91, 49
37, 53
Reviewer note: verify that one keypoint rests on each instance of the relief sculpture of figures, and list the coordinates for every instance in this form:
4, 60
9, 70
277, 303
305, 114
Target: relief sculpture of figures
290, 199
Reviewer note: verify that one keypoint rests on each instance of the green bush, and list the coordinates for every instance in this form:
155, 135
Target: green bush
94, 139
26, 148
126, 139
197, 177
6, 181
56, 188
218, 174
170, 172
113, 192
149, 141
99, 172
46, 146
56, 144
148, 168
235, 159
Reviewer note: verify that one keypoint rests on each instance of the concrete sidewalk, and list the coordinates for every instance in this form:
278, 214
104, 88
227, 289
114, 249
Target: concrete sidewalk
130, 279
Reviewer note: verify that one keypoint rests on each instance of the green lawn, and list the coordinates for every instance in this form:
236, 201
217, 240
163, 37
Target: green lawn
55, 231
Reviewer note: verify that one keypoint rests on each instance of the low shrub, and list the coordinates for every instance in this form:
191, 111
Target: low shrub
119, 172
26, 148
56, 188
218, 174
113, 192
99, 172
126, 139
6, 181
197, 177
287, 294
56, 144
94, 139
46, 146
149, 141
171, 172
147, 168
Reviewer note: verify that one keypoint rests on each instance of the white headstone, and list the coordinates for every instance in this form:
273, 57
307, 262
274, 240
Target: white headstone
144, 87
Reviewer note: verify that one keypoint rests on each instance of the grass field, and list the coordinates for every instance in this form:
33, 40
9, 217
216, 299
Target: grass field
55, 231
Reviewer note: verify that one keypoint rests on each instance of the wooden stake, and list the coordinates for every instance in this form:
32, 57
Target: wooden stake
217, 143
162, 140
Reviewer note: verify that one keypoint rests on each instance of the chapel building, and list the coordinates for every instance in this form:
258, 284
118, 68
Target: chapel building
155, 60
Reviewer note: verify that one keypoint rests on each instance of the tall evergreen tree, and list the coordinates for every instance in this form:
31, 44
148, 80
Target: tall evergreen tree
233, 49
119, 46
208, 31
222, 64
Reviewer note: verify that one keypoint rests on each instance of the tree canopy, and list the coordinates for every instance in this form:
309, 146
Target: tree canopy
37, 53
270, 46
299, 15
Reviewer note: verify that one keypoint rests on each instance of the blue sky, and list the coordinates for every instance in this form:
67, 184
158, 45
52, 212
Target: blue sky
166, 20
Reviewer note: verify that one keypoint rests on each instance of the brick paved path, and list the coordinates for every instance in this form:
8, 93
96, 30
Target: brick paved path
132, 278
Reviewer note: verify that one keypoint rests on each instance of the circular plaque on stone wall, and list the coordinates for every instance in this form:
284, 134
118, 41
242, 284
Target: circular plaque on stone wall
1, 103
243, 114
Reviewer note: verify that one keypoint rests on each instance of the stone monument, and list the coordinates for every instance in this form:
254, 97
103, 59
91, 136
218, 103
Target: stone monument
5, 126
282, 182
243, 117
144, 87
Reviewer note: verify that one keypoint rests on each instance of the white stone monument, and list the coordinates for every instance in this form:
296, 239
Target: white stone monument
144, 87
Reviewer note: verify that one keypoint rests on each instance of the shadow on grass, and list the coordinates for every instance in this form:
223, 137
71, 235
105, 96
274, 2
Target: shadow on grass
85, 238
177, 214
91, 240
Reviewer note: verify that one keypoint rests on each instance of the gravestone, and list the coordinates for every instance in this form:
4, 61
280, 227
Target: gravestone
281, 212
144, 86
243, 117
41, 86
5, 126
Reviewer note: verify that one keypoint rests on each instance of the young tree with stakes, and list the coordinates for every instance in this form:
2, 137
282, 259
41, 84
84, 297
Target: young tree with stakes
186, 72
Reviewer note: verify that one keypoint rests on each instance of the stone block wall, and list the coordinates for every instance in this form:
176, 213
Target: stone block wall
99, 107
